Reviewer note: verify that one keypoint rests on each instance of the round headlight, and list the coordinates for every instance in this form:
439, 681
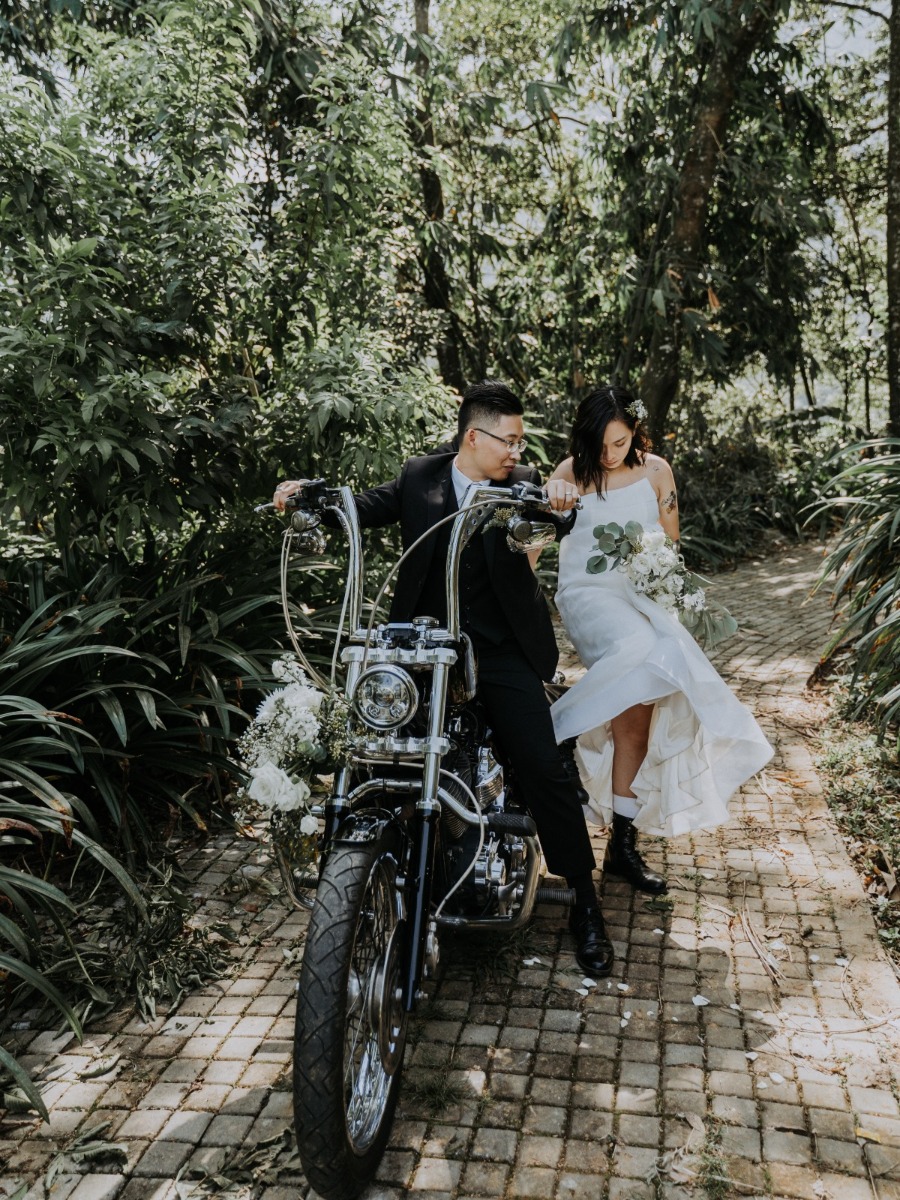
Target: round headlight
385, 697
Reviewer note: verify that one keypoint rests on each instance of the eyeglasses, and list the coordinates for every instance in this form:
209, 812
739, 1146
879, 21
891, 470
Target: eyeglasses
512, 447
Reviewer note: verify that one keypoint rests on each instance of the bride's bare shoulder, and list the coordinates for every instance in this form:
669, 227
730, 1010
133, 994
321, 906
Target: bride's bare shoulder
657, 467
564, 471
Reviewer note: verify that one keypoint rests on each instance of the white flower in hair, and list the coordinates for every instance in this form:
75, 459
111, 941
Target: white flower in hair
637, 409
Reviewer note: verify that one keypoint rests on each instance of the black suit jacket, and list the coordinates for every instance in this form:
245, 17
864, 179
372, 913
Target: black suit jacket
417, 499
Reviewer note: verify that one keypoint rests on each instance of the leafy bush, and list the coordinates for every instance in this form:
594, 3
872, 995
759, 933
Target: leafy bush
36, 818
862, 787
864, 566
747, 474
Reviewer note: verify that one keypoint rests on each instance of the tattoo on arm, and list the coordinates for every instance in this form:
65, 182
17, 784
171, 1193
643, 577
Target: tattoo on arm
670, 503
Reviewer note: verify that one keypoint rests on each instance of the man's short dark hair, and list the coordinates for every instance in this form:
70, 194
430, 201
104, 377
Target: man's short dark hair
485, 403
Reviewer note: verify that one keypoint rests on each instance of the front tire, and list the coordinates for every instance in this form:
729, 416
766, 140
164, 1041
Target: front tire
350, 1028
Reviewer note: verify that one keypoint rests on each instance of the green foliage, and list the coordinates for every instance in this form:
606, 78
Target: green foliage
862, 788
235, 239
741, 473
864, 566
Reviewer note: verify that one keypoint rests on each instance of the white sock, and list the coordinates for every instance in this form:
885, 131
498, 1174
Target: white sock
625, 806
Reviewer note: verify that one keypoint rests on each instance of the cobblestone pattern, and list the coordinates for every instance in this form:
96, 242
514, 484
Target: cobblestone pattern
746, 1044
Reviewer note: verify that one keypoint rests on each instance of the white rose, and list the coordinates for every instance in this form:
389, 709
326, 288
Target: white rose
641, 564
309, 825
294, 796
654, 539
268, 785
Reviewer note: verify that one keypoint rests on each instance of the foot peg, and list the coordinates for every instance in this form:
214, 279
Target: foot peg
549, 893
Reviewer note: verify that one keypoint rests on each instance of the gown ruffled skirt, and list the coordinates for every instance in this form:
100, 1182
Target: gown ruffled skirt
704, 744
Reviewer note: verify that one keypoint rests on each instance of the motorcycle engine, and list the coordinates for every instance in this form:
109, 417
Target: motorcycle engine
457, 765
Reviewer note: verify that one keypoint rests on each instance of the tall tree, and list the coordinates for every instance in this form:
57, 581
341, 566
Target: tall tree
686, 248
893, 225
436, 278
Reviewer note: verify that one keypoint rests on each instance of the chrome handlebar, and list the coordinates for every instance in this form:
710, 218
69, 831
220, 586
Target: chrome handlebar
479, 505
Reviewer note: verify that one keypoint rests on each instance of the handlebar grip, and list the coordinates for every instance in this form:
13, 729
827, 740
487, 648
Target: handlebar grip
530, 492
313, 493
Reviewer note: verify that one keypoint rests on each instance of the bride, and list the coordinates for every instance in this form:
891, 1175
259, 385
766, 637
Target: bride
662, 742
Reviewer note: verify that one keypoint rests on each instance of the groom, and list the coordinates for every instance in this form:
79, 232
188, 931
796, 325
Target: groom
506, 616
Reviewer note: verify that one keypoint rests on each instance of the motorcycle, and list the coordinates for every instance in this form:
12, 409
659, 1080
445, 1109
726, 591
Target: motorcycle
422, 833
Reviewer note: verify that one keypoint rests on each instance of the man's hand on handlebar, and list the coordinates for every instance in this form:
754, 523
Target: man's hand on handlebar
289, 487
310, 493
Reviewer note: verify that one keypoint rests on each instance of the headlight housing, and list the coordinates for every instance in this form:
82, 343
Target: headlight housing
385, 697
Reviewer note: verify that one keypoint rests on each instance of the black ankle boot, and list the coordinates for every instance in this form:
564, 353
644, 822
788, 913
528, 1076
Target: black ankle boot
593, 950
622, 858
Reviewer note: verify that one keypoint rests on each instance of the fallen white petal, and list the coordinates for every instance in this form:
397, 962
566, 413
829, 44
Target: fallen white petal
589, 983
699, 1001
623, 987
842, 962
660, 932
736, 1007
651, 1012
775, 1077
814, 958
779, 945
751, 1055
762, 1084
627, 1016
623, 1023
582, 992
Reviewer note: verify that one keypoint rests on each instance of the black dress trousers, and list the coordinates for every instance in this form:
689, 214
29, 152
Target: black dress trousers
519, 713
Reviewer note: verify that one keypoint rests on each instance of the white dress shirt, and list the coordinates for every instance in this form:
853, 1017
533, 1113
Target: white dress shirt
462, 483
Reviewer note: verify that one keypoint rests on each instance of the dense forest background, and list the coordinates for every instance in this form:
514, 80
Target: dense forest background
245, 239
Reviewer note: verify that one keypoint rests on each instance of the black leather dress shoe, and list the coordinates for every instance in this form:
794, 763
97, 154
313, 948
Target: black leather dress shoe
623, 858
593, 949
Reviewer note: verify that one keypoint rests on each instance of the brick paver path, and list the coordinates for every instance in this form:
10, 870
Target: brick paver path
746, 1044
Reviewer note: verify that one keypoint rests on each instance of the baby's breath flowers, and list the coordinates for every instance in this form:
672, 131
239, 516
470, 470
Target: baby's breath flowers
297, 732
649, 561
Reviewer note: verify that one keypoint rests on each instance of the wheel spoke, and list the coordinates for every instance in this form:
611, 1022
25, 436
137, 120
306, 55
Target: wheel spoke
365, 1079
350, 1027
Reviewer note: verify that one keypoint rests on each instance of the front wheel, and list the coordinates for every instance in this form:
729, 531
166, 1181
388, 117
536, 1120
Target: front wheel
350, 1027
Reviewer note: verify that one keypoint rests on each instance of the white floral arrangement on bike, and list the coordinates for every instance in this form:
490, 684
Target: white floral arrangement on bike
652, 565
297, 733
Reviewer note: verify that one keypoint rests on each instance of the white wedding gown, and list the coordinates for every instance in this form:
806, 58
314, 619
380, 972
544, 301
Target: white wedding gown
703, 742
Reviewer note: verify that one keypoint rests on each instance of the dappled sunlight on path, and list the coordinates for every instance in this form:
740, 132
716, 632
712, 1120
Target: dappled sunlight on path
747, 1040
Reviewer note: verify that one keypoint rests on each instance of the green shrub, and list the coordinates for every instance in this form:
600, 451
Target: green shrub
864, 567
747, 474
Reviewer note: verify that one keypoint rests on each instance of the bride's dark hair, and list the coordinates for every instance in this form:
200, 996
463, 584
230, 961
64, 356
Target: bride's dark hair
597, 409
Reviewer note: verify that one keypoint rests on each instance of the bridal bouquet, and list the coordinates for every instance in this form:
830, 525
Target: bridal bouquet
297, 731
654, 567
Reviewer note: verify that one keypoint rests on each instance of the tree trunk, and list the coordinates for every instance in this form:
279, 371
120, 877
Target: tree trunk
893, 225
685, 245
436, 279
